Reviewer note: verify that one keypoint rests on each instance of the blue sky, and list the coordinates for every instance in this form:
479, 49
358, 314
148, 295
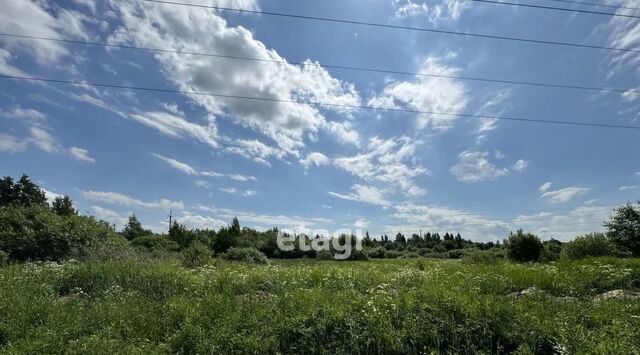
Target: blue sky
295, 165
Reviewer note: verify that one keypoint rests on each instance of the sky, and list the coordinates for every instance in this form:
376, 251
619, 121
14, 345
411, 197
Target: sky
307, 167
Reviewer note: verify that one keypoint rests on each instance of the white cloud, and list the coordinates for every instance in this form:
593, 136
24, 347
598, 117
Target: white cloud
257, 151
344, 132
109, 216
624, 32
11, 144
50, 195
184, 167
520, 165
234, 191
443, 220
116, 198
242, 178
315, 159
436, 10
637, 173
545, 187
29, 115
361, 223
564, 225
363, 193
626, 188
428, 94
81, 154
564, 195
43, 140
190, 29
176, 125
201, 222
390, 161
494, 104
474, 167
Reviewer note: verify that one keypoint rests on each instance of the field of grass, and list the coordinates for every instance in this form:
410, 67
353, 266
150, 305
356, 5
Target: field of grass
384, 306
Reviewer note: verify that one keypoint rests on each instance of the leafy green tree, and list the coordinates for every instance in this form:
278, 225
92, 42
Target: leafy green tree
523, 246
624, 229
134, 229
22, 193
588, 245
181, 235
235, 227
63, 206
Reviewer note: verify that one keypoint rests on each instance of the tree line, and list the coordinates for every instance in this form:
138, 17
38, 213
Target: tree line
33, 229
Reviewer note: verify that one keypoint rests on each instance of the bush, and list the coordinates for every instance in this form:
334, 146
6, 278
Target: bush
155, 243
392, 254
376, 253
455, 254
551, 251
490, 256
196, 255
37, 233
115, 248
4, 258
624, 229
245, 254
594, 244
523, 247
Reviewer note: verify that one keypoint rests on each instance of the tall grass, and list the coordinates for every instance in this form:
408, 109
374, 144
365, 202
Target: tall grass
382, 306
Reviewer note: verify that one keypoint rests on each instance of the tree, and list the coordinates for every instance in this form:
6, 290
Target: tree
63, 206
22, 193
624, 229
134, 229
523, 246
235, 227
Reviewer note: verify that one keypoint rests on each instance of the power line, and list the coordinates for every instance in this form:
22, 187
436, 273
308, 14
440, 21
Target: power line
554, 8
397, 27
329, 66
597, 4
356, 107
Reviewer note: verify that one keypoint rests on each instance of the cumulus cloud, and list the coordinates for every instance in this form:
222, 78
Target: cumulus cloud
475, 166
189, 29
627, 188
315, 159
427, 94
363, 193
257, 151
109, 215
116, 198
81, 154
11, 144
388, 161
234, 191
520, 165
564, 195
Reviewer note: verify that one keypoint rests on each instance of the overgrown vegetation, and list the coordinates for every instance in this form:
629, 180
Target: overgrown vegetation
70, 283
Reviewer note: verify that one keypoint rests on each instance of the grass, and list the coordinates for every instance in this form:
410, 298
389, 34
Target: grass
381, 306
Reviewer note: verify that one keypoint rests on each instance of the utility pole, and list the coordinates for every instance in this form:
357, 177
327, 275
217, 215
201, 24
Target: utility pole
170, 220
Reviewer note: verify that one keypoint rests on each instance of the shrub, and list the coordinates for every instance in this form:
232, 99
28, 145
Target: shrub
245, 254
551, 251
376, 253
392, 254
594, 244
4, 258
490, 256
155, 243
455, 254
115, 248
624, 229
523, 247
196, 255
37, 233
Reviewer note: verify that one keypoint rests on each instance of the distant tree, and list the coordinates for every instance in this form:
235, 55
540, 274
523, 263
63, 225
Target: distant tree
181, 235
235, 227
134, 229
588, 245
63, 206
400, 238
523, 246
22, 193
624, 229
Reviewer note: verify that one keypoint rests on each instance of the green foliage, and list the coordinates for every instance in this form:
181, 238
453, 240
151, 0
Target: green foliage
226, 238
113, 248
552, 250
589, 245
23, 193
423, 306
4, 257
196, 255
490, 256
624, 229
251, 255
63, 206
155, 243
37, 233
134, 229
523, 247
